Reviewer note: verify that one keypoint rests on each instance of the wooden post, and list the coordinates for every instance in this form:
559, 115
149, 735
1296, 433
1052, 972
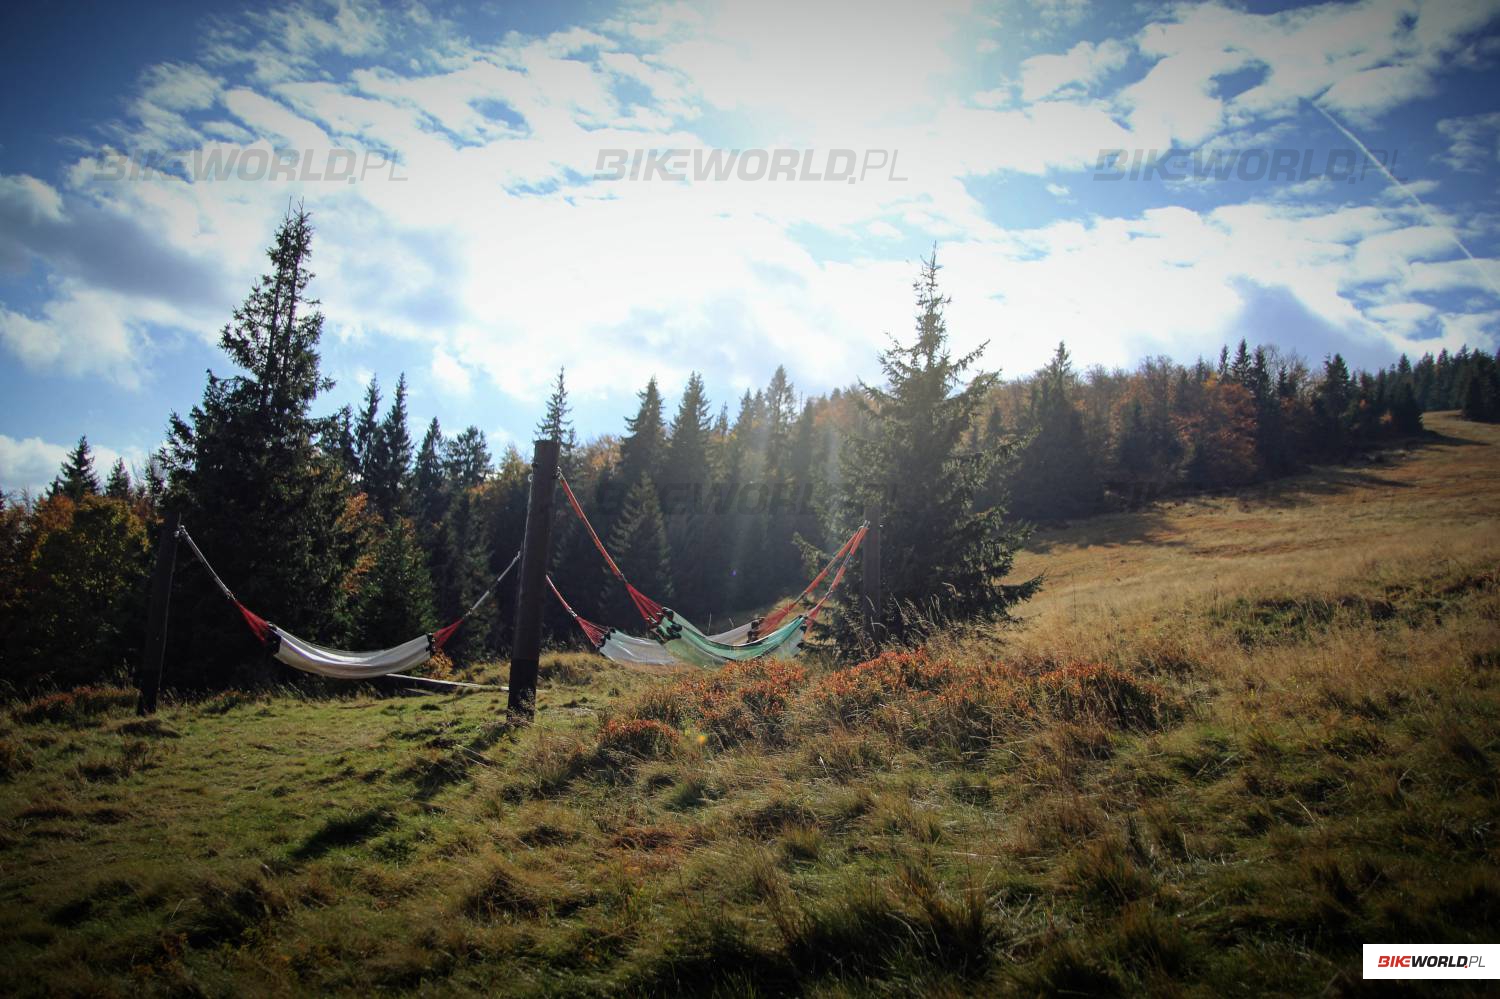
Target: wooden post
148, 679
525, 654
869, 598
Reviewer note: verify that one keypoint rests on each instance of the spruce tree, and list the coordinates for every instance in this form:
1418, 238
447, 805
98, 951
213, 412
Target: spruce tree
941, 558
388, 479
431, 497
118, 484
396, 601
684, 489
644, 446
264, 502
1331, 406
367, 433
639, 546
466, 574
467, 458
557, 425
1056, 477
77, 478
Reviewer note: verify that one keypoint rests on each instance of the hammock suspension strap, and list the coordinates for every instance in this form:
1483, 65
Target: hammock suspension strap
595, 633
770, 622
649, 609
266, 632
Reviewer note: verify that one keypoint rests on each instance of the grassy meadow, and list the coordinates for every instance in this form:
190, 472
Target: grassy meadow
1233, 739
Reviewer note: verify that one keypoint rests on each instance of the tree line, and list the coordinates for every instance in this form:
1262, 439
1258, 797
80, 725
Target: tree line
350, 531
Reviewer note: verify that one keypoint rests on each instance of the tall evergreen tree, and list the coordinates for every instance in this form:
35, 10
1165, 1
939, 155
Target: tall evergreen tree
77, 478
338, 439
686, 462
466, 574
941, 558
262, 500
639, 546
643, 448
367, 443
1056, 476
118, 484
557, 425
390, 474
1331, 404
684, 489
429, 480
396, 601
467, 458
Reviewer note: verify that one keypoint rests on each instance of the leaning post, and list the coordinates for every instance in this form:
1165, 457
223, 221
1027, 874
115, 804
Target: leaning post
870, 597
526, 651
148, 678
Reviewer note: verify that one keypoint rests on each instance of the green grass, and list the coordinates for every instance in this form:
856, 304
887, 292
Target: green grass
1221, 787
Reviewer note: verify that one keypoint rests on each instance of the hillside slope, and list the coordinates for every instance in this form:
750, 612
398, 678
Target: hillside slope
1233, 739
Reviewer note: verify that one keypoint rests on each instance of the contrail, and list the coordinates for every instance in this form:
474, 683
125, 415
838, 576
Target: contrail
1410, 194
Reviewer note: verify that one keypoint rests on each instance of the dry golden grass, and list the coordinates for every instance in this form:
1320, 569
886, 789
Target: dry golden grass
1414, 506
1232, 739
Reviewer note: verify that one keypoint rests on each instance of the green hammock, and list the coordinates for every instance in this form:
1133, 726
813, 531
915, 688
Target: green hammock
686, 642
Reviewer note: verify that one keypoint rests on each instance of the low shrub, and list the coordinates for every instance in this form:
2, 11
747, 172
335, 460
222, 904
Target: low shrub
77, 707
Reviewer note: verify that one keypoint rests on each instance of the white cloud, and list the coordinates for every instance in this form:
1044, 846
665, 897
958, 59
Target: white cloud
79, 332
32, 463
1077, 70
1474, 142
496, 263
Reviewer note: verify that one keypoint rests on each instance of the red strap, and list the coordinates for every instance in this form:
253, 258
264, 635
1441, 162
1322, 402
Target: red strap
573, 502
772, 620
859, 536
442, 635
258, 624
650, 609
596, 634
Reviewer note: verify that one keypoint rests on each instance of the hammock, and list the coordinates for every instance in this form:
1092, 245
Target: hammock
338, 664
675, 640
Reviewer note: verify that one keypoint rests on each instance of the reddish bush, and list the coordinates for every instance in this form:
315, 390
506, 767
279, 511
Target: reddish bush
637, 738
743, 702
76, 707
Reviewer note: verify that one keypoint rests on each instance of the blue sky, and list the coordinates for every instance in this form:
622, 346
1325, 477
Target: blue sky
479, 247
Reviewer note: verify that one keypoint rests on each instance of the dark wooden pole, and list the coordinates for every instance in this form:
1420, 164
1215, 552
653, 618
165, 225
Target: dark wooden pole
869, 598
148, 680
525, 654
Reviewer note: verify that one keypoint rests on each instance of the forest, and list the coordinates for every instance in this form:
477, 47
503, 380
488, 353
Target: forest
362, 528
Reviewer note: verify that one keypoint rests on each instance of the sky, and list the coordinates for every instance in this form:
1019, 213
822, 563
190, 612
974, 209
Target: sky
501, 190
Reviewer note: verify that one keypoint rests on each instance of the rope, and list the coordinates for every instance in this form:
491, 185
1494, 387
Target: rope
263, 629
578, 509
182, 532
773, 619
649, 609
441, 636
498, 580
596, 634
838, 578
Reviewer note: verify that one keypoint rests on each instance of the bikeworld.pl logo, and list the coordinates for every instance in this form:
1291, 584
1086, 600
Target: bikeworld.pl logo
837, 166
1428, 961
1282, 164
252, 163
1469, 961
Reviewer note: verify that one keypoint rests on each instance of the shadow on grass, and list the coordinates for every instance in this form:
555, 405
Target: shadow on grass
431, 776
345, 830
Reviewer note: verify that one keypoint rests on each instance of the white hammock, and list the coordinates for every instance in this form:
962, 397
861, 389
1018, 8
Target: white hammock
339, 664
